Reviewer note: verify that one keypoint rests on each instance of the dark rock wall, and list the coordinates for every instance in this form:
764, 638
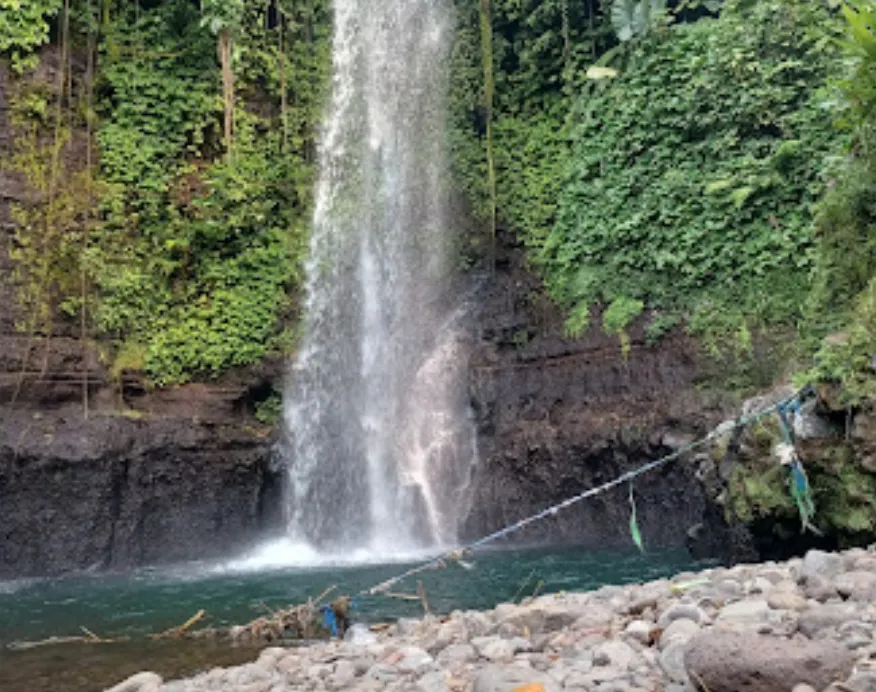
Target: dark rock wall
557, 416
117, 493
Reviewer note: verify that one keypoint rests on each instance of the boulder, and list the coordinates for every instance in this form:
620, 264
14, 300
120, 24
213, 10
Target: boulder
722, 661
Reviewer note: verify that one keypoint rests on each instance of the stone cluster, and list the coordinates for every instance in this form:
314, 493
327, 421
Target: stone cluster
807, 625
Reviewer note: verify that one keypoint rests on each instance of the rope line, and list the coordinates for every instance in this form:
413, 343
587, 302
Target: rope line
456, 554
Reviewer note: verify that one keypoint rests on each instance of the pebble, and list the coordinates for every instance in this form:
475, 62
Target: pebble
785, 618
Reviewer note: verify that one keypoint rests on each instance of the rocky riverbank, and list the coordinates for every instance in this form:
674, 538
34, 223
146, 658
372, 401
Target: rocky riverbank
804, 625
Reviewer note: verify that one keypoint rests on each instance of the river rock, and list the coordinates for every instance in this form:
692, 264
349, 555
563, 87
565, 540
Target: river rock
344, 674
538, 618
477, 624
819, 589
616, 654
141, 682
594, 617
744, 614
506, 678
824, 617
681, 630
640, 631
818, 564
436, 681
456, 655
679, 611
413, 659
857, 585
759, 585
780, 599
724, 661
497, 649
672, 662
383, 673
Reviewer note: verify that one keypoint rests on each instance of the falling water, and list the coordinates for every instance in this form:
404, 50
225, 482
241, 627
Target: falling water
381, 445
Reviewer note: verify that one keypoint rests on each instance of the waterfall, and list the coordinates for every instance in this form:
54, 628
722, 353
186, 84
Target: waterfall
381, 444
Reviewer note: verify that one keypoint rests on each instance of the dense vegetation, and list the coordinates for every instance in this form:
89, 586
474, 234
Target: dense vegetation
178, 235
704, 163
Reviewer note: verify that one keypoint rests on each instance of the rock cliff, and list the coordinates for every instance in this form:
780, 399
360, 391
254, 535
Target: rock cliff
558, 415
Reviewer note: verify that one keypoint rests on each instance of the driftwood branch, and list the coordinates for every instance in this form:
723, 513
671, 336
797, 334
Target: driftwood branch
180, 631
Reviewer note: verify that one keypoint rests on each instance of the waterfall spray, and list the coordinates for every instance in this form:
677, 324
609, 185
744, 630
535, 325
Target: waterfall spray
381, 442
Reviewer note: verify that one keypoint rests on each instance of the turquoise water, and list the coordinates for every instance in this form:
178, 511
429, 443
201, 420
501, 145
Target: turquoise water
138, 603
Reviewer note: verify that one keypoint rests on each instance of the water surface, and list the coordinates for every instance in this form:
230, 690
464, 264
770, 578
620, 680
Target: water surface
146, 601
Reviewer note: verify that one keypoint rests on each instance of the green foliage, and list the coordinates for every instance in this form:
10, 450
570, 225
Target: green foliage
659, 326
222, 15
618, 316
199, 255
693, 174
763, 493
843, 296
540, 49
24, 27
621, 313
269, 411
130, 356
49, 231
849, 358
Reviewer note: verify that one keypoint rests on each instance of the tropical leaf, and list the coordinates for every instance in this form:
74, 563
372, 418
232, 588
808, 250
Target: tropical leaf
630, 18
623, 18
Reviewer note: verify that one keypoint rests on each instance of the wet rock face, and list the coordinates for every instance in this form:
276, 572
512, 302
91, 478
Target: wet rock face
116, 493
556, 416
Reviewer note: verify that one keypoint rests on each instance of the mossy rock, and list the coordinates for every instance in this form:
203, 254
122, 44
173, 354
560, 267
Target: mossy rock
758, 494
843, 492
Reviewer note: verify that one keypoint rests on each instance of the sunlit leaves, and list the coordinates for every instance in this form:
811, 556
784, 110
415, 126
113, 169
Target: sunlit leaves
24, 27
